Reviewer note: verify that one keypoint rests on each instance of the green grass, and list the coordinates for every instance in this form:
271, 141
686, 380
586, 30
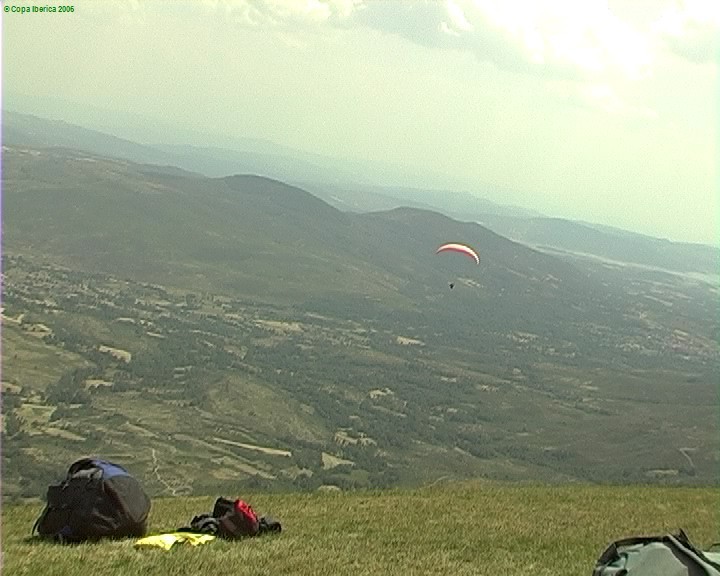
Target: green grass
471, 528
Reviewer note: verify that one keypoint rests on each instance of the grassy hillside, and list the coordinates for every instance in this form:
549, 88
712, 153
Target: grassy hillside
241, 235
473, 528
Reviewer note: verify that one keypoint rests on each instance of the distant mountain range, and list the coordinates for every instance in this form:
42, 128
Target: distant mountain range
562, 237
245, 235
28, 130
566, 238
570, 238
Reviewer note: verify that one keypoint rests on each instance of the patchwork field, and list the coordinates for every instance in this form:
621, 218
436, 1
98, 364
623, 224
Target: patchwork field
196, 392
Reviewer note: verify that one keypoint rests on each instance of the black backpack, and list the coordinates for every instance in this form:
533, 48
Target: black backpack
97, 499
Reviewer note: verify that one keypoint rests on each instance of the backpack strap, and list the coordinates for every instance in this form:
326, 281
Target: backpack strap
269, 524
205, 524
39, 519
82, 464
690, 550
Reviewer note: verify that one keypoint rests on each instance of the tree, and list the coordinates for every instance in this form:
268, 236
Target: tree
13, 424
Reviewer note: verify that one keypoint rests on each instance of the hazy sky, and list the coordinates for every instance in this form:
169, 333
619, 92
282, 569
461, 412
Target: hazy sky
601, 111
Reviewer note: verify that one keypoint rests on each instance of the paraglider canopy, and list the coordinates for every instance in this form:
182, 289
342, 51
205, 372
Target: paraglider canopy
461, 248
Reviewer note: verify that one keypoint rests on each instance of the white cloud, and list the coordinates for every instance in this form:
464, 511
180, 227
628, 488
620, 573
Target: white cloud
457, 17
598, 96
284, 13
690, 28
595, 49
606, 98
560, 37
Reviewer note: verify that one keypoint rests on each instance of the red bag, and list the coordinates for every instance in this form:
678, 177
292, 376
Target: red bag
238, 520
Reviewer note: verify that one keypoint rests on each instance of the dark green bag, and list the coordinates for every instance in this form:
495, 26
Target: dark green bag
668, 555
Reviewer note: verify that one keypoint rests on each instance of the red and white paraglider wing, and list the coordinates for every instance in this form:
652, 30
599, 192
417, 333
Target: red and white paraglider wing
461, 248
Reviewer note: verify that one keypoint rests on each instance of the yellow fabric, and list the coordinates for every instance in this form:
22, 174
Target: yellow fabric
167, 541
